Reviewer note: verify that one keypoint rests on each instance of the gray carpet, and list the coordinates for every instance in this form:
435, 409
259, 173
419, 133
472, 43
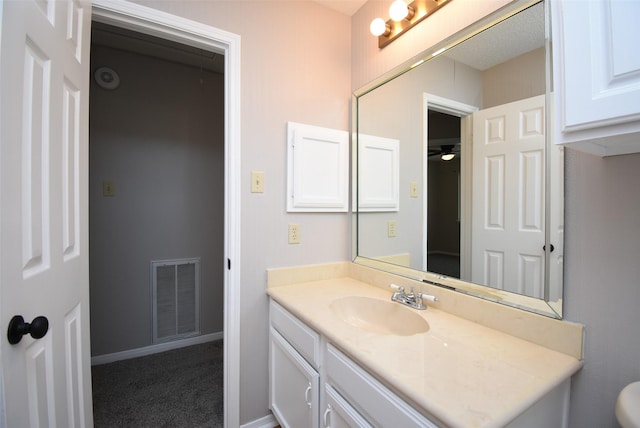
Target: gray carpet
177, 388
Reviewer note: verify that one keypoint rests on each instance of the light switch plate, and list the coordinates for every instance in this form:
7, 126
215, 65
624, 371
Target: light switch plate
413, 189
257, 181
108, 188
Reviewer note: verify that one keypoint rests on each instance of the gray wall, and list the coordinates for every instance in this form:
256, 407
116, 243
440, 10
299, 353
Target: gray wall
443, 227
602, 279
602, 222
160, 139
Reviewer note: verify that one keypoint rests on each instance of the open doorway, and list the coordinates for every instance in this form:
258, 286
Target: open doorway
443, 225
448, 135
171, 27
157, 173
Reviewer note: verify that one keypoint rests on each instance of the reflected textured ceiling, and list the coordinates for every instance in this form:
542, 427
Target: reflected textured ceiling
519, 34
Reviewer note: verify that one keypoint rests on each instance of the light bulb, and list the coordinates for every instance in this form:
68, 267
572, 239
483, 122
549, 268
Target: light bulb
398, 10
378, 27
447, 156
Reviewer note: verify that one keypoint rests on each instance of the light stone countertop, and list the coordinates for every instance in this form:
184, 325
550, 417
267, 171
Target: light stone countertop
460, 372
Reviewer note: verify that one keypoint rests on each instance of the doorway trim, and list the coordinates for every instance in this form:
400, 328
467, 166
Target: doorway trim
147, 20
464, 112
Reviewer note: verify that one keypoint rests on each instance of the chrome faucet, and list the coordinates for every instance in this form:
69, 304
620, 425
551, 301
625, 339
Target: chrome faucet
413, 299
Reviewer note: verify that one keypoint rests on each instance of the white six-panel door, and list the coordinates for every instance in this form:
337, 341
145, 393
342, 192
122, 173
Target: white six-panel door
508, 196
44, 75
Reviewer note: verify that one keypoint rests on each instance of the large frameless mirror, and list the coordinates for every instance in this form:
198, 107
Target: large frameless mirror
456, 179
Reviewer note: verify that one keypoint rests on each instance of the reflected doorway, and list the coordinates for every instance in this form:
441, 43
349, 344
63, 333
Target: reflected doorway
443, 190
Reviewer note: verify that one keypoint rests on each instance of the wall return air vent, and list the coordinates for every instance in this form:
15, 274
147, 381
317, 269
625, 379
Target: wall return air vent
175, 286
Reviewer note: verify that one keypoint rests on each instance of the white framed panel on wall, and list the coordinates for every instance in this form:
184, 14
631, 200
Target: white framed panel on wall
378, 174
317, 169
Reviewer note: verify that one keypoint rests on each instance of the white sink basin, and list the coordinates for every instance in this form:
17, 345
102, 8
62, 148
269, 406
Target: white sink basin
628, 406
379, 316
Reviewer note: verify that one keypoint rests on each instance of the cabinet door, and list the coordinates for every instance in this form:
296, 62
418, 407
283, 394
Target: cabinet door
597, 75
294, 385
339, 413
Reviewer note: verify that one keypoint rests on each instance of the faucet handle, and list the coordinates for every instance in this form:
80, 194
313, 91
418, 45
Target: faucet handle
428, 297
397, 287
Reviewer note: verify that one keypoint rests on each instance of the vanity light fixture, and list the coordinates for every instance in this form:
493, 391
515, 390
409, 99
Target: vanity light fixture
403, 17
399, 11
379, 28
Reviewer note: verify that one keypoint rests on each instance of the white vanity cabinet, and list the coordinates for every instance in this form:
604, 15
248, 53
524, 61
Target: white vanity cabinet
294, 381
302, 365
367, 395
596, 62
313, 384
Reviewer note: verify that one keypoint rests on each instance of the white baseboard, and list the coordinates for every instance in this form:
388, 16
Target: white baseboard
154, 349
268, 421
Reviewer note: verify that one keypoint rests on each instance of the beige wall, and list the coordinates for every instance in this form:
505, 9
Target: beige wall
602, 221
517, 79
295, 61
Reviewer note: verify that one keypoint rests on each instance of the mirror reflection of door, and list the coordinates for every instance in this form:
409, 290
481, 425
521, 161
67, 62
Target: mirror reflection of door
443, 205
509, 197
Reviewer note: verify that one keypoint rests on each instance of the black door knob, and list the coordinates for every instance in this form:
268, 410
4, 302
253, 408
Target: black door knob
18, 328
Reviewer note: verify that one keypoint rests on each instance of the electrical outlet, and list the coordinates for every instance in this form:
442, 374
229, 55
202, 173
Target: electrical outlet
391, 228
257, 181
294, 233
413, 189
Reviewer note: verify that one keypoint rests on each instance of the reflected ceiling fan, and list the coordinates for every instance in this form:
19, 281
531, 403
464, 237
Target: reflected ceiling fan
445, 152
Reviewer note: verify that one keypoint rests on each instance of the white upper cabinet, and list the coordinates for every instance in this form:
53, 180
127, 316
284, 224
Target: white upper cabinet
596, 62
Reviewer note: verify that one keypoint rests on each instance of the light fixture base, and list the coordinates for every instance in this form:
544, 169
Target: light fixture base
421, 10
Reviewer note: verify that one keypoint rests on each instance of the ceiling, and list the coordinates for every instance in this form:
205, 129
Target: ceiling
144, 44
347, 7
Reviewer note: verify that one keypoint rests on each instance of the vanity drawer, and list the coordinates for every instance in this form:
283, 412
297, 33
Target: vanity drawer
302, 338
374, 401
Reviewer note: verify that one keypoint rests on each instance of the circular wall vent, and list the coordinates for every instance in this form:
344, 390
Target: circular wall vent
107, 78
